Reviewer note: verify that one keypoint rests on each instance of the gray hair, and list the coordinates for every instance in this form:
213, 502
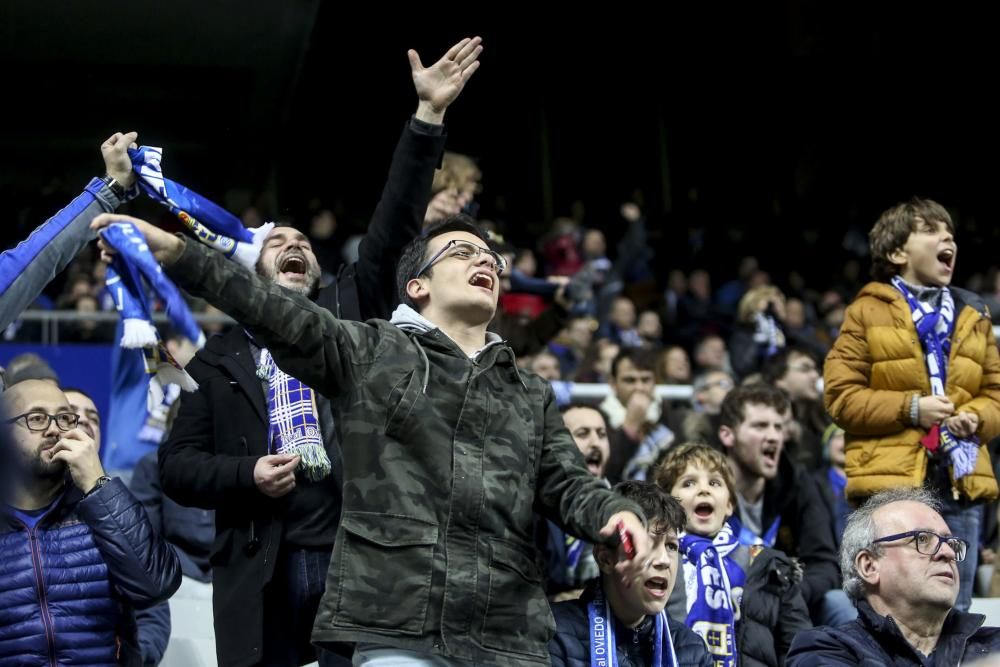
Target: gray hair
860, 532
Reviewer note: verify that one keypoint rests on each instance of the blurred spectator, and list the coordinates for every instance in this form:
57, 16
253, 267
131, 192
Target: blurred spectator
29, 366
710, 354
638, 436
696, 313
702, 423
759, 331
620, 327
454, 188
596, 365
571, 344
795, 371
832, 478
650, 329
673, 366
672, 295
729, 295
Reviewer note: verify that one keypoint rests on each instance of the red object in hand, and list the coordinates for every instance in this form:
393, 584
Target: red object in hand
626, 539
933, 438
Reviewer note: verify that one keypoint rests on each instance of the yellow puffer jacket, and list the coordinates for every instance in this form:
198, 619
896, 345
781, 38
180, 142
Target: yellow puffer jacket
877, 365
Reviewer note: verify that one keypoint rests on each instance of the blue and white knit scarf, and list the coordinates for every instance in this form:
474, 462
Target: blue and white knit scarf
210, 223
934, 329
133, 264
293, 424
714, 587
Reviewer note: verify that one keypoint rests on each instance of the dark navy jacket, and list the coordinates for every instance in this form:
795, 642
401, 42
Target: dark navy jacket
68, 587
872, 639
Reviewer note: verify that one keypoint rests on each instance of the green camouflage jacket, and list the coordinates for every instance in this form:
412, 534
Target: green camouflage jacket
446, 460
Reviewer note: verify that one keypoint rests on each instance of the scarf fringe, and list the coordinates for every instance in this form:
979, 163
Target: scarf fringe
138, 333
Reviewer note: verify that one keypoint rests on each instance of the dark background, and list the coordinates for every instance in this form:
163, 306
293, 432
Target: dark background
772, 128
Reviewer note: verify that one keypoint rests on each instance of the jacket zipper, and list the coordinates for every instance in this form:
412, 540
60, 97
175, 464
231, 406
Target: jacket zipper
36, 562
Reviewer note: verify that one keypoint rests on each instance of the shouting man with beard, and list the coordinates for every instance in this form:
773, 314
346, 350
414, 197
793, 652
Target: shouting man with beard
260, 447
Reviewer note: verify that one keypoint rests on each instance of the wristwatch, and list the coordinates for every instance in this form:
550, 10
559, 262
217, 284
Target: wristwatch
115, 186
101, 481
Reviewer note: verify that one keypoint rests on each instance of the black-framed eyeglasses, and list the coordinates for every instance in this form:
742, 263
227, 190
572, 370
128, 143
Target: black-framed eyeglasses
39, 421
464, 251
929, 543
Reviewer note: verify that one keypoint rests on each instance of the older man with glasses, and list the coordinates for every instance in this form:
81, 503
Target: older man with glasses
899, 563
77, 552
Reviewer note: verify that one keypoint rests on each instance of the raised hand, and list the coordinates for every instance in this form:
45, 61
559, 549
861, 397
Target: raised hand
440, 84
79, 452
116, 161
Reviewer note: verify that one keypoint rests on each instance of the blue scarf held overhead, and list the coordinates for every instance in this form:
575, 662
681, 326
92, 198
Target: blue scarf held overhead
714, 586
293, 426
133, 263
209, 222
603, 652
934, 329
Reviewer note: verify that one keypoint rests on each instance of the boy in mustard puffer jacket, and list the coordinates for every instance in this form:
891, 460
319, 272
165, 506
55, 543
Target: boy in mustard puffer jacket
914, 377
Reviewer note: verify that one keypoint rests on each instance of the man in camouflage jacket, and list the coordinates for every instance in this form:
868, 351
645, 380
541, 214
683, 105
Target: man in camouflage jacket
448, 451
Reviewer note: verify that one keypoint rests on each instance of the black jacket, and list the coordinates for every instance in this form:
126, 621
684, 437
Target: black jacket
772, 609
806, 530
872, 639
221, 429
570, 647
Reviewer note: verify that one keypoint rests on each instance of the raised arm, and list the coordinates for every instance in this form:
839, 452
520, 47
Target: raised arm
306, 340
26, 269
400, 212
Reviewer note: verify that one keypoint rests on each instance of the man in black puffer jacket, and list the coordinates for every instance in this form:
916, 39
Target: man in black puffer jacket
632, 620
899, 561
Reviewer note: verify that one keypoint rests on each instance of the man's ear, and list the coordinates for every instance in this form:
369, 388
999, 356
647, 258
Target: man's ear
726, 436
606, 558
867, 567
416, 289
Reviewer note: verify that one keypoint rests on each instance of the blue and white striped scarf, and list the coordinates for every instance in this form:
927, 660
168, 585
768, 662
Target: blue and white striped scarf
293, 425
714, 586
934, 329
132, 266
210, 223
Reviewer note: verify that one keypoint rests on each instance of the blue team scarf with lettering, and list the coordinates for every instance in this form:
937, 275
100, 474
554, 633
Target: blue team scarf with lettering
210, 223
934, 329
602, 636
132, 269
714, 585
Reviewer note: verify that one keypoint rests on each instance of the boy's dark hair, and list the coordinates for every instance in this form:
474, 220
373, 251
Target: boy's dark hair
641, 358
895, 226
733, 410
663, 511
777, 366
415, 253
